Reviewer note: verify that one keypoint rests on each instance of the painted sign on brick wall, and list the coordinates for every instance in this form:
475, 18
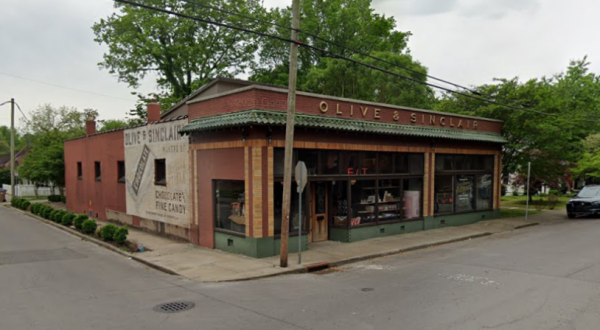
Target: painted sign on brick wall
157, 173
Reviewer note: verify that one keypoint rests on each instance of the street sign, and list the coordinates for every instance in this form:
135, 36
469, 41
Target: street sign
301, 176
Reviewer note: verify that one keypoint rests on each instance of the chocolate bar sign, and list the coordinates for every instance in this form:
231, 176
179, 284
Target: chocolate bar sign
141, 167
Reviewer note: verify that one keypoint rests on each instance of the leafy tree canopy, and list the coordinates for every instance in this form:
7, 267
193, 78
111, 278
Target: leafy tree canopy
49, 127
112, 124
552, 142
181, 53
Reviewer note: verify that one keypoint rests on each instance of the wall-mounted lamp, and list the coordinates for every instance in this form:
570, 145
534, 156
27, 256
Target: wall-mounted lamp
270, 134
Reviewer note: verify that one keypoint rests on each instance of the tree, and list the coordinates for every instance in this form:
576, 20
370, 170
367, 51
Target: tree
183, 54
112, 124
348, 24
552, 142
49, 127
5, 140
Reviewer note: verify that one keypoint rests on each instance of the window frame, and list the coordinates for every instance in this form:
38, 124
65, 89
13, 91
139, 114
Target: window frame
79, 171
121, 171
98, 171
162, 179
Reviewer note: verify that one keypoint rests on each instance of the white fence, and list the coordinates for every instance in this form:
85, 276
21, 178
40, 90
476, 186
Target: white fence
29, 190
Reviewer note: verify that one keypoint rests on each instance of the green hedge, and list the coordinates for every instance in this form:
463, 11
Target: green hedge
68, 218
89, 226
78, 221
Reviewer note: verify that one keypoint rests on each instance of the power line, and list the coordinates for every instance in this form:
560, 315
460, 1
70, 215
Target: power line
65, 87
23, 114
198, 19
332, 43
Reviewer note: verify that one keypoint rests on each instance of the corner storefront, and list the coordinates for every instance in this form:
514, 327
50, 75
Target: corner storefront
374, 169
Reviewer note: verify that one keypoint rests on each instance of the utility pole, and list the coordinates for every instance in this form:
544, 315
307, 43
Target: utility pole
289, 136
12, 148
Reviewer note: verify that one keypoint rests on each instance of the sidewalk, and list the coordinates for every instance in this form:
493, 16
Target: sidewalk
208, 265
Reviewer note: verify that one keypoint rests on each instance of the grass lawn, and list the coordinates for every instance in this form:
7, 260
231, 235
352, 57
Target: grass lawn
511, 213
33, 198
521, 201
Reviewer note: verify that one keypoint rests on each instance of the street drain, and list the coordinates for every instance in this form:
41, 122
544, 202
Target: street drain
367, 289
174, 307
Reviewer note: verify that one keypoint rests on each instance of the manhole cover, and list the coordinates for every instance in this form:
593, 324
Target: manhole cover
367, 289
174, 307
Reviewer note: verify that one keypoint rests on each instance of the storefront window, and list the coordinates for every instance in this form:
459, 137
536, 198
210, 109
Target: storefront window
368, 163
415, 163
401, 163
389, 200
339, 203
278, 158
463, 183
413, 191
294, 208
465, 189
230, 206
310, 159
330, 161
484, 191
386, 162
444, 196
364, 202
350, 163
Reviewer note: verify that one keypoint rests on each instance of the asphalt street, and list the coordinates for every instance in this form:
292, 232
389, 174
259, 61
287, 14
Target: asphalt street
542, 277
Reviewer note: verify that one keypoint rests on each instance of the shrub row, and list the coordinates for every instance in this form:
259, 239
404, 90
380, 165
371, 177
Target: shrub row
81, 222
57, 198
20, 203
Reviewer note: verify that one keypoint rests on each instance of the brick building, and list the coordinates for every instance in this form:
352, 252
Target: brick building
374, 170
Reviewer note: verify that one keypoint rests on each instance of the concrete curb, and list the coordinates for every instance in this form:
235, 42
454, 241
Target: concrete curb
283, 273
526, 225
97, 242
362, 258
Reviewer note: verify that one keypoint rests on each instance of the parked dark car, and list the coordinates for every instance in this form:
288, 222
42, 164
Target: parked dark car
586, 202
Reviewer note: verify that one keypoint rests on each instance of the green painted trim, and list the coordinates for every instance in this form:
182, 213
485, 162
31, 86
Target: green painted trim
363, 233
272, 117
448, 220
255, 247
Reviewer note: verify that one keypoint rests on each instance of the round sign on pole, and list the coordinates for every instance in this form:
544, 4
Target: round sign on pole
301, 176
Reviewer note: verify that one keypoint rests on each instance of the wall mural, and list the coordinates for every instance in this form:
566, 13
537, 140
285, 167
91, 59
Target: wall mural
165, 200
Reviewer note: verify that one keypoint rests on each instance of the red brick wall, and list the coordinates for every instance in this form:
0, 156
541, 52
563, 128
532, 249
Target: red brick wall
218, 164
271, 100
106, 148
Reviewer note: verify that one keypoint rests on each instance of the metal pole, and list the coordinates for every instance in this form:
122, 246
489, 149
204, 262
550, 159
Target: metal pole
300, 191
289, 136
12, 148
527, 203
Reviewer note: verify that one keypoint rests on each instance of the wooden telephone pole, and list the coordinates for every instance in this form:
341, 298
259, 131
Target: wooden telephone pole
289, 136
12, 148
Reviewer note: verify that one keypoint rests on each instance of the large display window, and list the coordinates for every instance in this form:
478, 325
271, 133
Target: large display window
230, 206
463, 183
365, 188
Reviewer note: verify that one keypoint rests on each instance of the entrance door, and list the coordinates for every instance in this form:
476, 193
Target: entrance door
319, 215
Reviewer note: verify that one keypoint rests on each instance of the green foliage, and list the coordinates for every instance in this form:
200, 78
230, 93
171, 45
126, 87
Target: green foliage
79, 220
113, 124
552, 143
46, 211
54, 198
120, 235
4, 177
107, 232
89, 226
20, 141
25, 205
53, 214
68, 218
183, 54
49, 127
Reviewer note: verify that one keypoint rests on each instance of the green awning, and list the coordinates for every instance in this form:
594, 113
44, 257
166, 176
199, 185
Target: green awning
278, 118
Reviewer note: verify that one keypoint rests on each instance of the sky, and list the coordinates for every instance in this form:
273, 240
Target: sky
48, 53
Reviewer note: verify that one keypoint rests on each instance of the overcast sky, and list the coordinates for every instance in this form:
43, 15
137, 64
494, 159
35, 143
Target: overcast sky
465, 41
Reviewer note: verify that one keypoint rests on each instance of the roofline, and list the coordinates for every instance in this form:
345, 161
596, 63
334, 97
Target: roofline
128, 127
336, 98
208, 85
